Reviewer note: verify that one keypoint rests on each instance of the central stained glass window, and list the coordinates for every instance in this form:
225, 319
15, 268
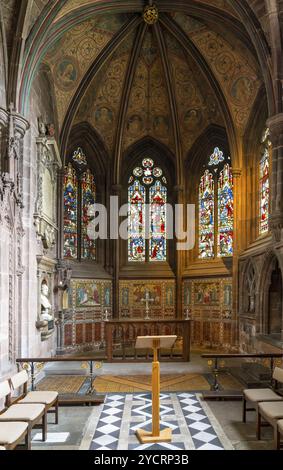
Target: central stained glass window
147, 188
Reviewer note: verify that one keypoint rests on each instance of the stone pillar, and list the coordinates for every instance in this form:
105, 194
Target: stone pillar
13, 129
180, 257
275, 125
237, 173
117, 189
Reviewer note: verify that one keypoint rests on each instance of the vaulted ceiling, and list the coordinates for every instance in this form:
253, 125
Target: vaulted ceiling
196, 66
155, 81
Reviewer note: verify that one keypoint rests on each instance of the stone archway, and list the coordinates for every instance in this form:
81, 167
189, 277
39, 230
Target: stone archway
274, 314
271, 318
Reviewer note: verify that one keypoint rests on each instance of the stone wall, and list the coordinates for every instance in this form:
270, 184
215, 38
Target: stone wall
20, 247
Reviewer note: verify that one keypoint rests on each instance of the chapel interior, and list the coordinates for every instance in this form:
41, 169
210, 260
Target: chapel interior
141, 104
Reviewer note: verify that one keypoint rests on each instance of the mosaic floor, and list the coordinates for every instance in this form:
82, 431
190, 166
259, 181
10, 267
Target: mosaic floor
136, 383
194, 427
142, 383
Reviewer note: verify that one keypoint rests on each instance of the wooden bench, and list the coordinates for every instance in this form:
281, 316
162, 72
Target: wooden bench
259, 395
48, 398
31, 413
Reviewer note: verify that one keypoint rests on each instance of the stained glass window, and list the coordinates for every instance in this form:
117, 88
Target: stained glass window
79, 197
70, 213
225, 212
136, 222
216, 211
145, 187
264, 192
88, 199
206, 216
157, 244
264, 184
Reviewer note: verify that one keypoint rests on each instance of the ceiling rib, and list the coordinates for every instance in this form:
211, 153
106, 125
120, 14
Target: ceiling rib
101, 59
127, 87
172, 99
190, 49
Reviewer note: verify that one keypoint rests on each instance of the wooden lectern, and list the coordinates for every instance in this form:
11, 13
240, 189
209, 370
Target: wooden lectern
155, 343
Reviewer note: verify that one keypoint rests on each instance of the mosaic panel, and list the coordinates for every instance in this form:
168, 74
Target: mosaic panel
132, 294
209, 303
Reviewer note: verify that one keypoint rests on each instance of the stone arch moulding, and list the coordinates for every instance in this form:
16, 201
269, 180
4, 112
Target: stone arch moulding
248, 287
213, 136
149, 146
85, 136
268, 265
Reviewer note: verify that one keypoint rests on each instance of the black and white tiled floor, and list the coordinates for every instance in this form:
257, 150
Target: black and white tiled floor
193, 425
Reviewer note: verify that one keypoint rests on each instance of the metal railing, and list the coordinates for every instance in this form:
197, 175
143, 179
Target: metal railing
30, 363
214, 359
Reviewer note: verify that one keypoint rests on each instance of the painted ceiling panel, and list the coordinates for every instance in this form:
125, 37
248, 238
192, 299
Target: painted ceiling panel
148, 111
71, 57
233, 65
148, 108
197, 105
101, 103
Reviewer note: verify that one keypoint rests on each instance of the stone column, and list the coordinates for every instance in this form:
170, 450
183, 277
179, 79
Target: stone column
117, 189
237, 173
275, 125
179, 257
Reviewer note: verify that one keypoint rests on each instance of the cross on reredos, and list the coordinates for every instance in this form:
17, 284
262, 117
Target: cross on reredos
147, 301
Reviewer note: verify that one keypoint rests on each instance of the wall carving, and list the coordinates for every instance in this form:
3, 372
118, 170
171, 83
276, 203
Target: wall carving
48, 164
132, 293
12, 132
209, 303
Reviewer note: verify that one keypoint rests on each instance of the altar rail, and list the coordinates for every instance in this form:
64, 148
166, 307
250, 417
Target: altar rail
113, 340
121, 337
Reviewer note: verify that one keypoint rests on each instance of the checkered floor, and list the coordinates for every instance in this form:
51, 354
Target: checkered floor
192, 423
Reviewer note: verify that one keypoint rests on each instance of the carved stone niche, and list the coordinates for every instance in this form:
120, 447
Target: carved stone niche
48, 165
46, 314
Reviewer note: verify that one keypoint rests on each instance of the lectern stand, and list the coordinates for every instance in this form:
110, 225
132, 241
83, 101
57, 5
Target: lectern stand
155, 343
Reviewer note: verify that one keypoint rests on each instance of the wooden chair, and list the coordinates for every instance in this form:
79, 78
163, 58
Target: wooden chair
258, 395
13, 433
49, 398
271, 412
31, 413
279, 434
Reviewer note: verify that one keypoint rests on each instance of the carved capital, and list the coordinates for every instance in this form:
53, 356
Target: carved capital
236, 172
276, 227
275, 124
